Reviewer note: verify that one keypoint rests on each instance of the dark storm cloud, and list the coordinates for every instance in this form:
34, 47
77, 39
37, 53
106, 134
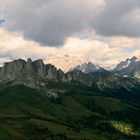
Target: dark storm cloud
119, 18
50, 22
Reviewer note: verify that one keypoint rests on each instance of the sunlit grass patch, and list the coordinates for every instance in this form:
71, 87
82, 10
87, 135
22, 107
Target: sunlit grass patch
124, 128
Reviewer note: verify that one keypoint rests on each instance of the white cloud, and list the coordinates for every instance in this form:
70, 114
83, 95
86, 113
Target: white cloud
75, 51
124, 42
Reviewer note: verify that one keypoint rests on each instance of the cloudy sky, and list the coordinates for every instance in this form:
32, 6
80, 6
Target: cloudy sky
70, 32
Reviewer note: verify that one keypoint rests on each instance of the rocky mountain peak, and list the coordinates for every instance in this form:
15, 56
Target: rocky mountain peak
130, 67
133, 59
29, 64
126, 63
29, 60
87, 68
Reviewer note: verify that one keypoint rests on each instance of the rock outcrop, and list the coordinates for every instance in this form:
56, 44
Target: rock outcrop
29, 73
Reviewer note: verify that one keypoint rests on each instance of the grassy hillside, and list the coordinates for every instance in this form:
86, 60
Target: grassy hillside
80, 113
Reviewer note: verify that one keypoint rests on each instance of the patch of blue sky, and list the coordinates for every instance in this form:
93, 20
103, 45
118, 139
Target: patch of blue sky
2, 21
85, 36
104, 39
131, 49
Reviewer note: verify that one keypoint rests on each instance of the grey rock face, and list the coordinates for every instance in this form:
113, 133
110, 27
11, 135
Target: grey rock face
51, 72
39, 68
129, 67
125, 64
79, 76
101, 80
60, 75
29, 73
12, 70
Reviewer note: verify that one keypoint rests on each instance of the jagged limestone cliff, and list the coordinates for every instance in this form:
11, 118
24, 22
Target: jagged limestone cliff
36, 74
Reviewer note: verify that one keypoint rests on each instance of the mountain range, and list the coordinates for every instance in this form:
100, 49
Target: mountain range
129, 67
40, 102
37, 74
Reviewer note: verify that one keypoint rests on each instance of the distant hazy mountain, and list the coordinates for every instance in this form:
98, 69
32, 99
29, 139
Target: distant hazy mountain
125, 64
66, 62
88, 68
129, 67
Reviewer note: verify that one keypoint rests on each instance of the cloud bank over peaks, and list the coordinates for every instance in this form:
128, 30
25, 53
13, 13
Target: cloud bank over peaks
75, 51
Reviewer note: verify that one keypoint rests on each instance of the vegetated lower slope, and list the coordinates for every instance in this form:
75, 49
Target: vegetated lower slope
80, 113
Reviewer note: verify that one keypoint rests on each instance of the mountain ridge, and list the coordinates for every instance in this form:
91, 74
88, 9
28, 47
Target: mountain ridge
37, 74
88, 67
